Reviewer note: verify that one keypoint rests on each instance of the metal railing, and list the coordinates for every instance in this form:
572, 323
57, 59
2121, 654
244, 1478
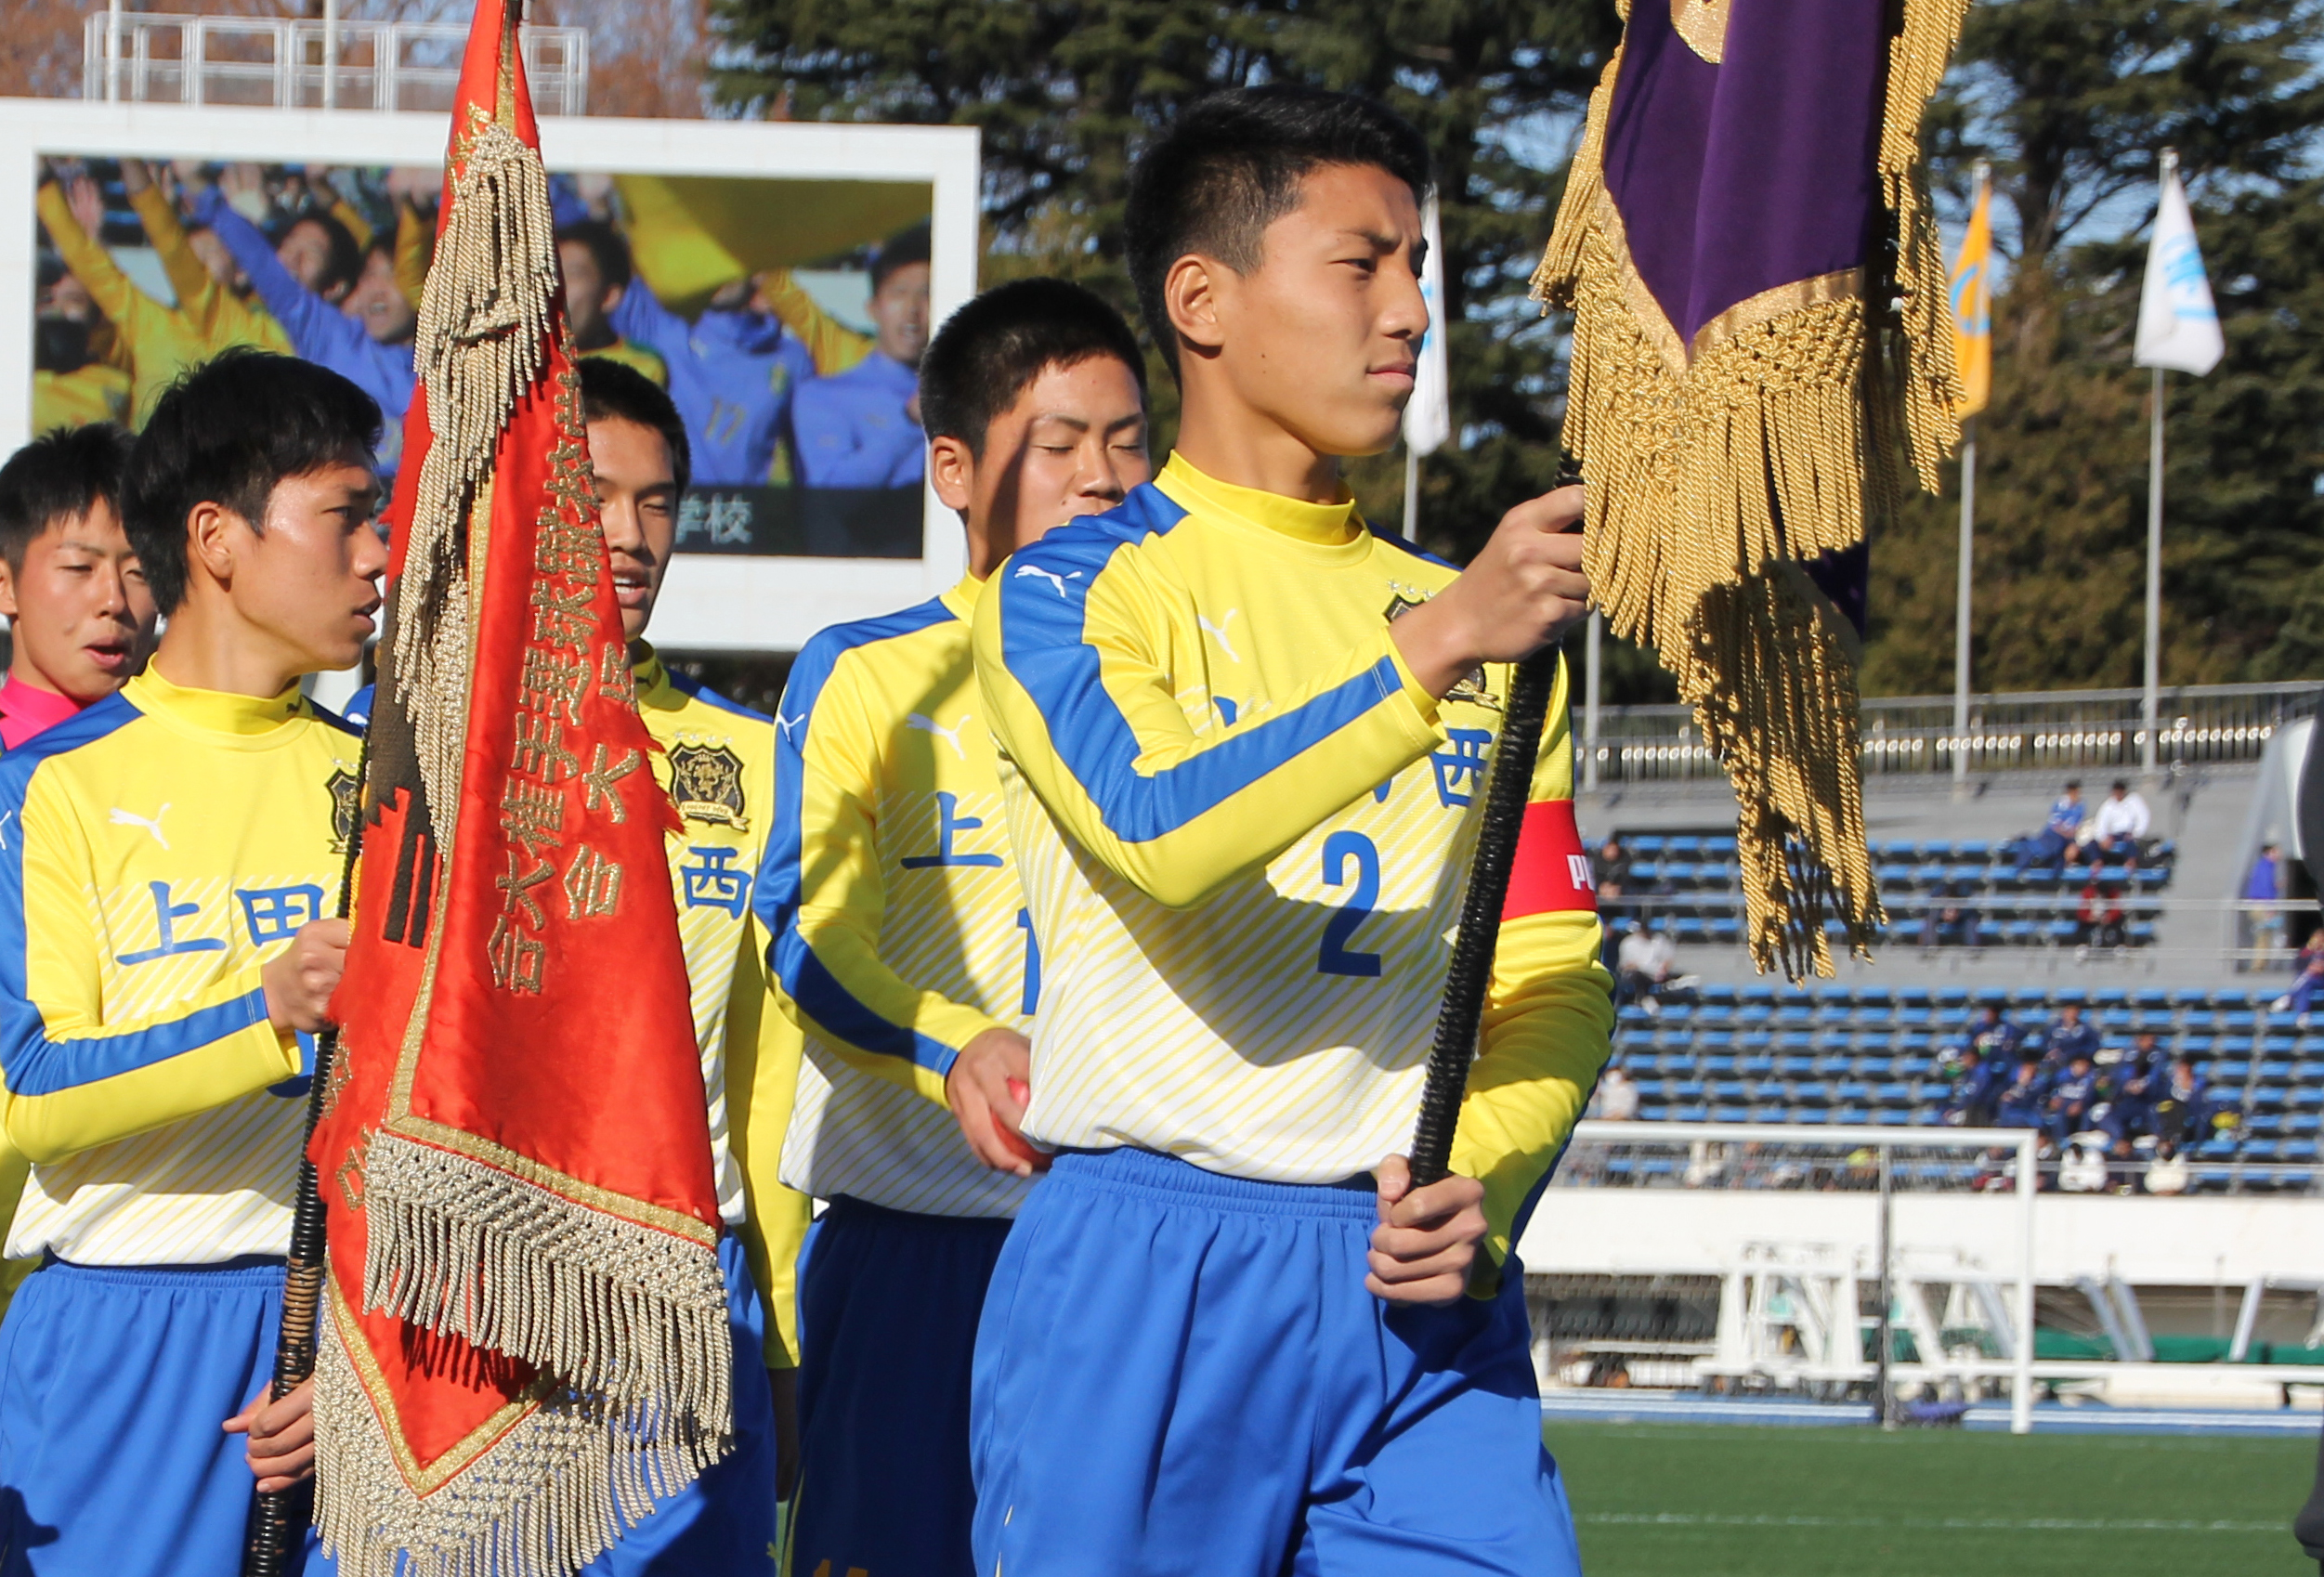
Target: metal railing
2019, 731
300, 63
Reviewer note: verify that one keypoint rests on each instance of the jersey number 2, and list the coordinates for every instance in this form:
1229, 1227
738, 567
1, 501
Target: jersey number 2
1334, 956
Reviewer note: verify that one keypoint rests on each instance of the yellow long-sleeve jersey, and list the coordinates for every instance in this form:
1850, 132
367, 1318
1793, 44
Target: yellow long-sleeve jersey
155, 852
1244, 832
900, 934
717, 761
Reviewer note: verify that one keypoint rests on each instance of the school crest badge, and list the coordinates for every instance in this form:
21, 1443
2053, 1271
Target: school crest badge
1471, 689
706, 780
345, 789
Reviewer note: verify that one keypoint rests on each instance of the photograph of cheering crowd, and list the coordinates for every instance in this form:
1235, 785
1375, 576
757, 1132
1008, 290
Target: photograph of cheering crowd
795, 370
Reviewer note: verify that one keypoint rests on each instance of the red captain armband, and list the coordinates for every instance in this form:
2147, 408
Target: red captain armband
1550, 871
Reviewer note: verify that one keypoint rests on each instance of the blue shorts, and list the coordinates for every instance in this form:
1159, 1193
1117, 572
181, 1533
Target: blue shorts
1182, 1372
723, 1524
888, 1303
112, 1385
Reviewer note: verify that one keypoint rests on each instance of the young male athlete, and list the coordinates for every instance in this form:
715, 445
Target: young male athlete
1245, 743
170, 857
80, 614
717, 762
903, 943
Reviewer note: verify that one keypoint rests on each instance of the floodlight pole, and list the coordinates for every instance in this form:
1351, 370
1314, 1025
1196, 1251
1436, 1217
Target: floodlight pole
1884, 1398
112, 51
331, 55
2148, 751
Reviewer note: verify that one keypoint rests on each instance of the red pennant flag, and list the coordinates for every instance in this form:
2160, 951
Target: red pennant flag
524, 1341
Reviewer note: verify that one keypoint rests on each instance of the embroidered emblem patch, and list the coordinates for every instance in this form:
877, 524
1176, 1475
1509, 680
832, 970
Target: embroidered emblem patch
706, 780
344, 807
1471, 689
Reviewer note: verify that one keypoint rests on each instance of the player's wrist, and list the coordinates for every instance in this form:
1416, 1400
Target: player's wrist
1435, 644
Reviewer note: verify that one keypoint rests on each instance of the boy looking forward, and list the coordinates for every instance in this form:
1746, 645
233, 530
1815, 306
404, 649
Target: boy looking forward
1245, 742
902, 942
171, 857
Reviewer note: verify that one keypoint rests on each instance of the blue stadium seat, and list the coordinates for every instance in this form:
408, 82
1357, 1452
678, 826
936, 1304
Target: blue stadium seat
2299, 1149
1730, 1113
1894, 876
2238, 1021
1725, 931
2264, 1124
1689, 928
1681, 1061
2259, 1150
2272, 1046
1718, 1064
1719, 848
1891, 1117
1691, 1113
1722, 992
2229, 1071
1813, 1094
1685, 846
1894, 1094
1796, 1066
1759, 1066
1810, 1114
1654, 1113
1853, 1116
1646, 844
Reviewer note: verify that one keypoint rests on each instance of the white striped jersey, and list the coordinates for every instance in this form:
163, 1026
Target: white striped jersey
892, 895
1244, 832
155, 851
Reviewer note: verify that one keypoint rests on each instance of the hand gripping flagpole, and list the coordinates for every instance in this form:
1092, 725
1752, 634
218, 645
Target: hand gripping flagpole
273, 1523
1470, 972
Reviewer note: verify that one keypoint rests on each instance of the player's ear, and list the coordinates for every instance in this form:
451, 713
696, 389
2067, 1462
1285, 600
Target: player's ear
8, 589
952, 472
1190, 293
210, 539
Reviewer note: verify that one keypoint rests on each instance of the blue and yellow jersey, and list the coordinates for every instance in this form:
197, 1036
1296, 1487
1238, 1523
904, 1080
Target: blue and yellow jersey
890, 890
155, 851
1243, 831
717, 762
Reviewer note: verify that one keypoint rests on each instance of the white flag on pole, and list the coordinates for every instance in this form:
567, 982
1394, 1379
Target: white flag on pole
1429, 414
2178, 327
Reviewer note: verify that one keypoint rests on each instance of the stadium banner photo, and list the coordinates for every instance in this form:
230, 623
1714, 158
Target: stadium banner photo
778, 280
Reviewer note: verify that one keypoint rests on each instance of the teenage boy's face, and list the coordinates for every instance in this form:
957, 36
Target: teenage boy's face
306, 251
1324, 335
899, 311
587, 295
83, 618
638, 504
1073, 443
378, 303
310, 581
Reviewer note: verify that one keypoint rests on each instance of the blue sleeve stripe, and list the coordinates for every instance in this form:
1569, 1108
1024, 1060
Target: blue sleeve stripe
37, 1065
1044, 597
781, 872
33, 1064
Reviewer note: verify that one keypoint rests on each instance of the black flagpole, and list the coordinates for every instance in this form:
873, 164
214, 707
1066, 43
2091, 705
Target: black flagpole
274, 1520
1470, 972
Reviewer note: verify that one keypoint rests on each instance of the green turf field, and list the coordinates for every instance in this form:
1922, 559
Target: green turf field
1675, 1499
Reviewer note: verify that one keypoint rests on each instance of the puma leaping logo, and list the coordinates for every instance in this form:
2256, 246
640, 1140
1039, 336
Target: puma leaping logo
127, 818
1218, 632
949, 736
1050, 576
787, 724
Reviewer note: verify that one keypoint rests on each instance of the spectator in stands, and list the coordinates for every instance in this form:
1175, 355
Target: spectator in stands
1617, 1096
2182, 1114
1950, 922
1611, 870
2071, 1101
2067, 1036
1971, 1103
1994, 1036
2048, 846
2119, 826
2020, 1104
2100, 915
2307, 974
597, 267
2138, 1084
2263, 885
1643, 966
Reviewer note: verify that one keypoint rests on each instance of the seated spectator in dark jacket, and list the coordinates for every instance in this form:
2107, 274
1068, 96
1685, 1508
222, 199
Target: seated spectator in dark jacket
2073, 1099
1611, 869
2131, 1094
2181, 1113
1950, 922
2067, 1036
1994, 1036
1971, 1103
2021, 1103
2048, 846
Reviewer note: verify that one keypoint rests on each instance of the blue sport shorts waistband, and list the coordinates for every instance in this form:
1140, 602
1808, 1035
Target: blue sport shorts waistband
250, 1269
846, 1209
1169, 1181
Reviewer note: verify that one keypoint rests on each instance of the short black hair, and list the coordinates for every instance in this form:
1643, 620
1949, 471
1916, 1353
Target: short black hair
608, 245
345, 265
1232, 165
61, 474
227, 432
614, 392
991, 351
903, 248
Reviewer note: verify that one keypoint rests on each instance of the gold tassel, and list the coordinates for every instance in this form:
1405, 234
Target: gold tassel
1715, 470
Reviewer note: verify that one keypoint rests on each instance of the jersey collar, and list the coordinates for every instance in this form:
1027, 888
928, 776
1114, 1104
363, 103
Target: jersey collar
655, 687
250, 718
27, 710
960, 601
1329, 526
